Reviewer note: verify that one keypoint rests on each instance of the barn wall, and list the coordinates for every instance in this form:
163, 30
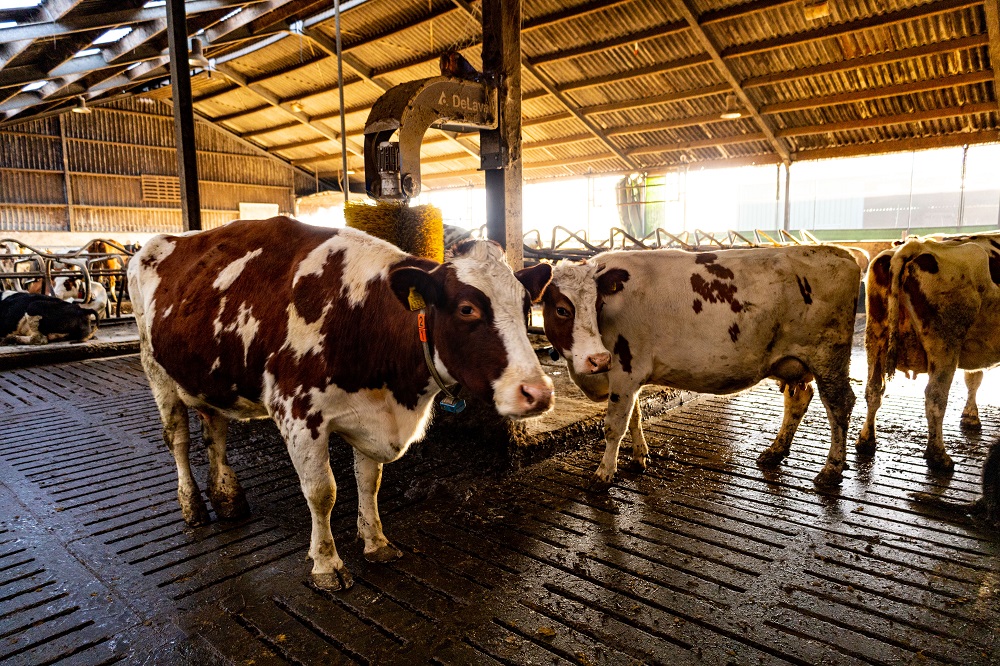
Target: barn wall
122, 173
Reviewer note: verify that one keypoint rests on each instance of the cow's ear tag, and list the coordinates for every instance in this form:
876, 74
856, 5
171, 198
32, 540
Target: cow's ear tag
416, 300
452, 405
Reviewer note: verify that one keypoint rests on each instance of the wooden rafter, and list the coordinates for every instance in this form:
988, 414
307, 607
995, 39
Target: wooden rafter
869, 94
902, 145
868, 22
299, 117
992, 9
708, 43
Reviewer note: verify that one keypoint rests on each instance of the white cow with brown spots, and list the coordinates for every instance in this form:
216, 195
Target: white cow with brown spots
934, 307
712, 322
315, 328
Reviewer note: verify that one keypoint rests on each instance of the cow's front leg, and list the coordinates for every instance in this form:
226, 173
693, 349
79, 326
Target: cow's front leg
619, 411
368, 474
224, 488
311, 457
936, 401
970, 415
797, 399
640, 450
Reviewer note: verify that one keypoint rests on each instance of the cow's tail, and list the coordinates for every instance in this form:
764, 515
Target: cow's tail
897, 268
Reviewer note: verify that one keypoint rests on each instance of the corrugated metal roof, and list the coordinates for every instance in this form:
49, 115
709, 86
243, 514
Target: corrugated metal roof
634, 69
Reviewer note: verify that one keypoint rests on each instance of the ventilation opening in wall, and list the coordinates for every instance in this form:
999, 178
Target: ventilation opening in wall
257, 211
161, 188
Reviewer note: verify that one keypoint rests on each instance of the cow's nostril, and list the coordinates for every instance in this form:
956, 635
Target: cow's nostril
599, 362
535, 397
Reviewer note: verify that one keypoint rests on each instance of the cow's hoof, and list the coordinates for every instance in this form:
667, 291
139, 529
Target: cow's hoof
939, 462
195, 513
771, 458
333, 582
971, 422
828, 478
598, 485
231, 508
865, 445
637, 465
383, 554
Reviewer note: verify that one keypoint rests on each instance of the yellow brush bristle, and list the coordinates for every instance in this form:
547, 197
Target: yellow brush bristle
418, 230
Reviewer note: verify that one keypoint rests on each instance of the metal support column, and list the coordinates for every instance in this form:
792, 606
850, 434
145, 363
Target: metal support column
180, 83
500, 149
786, 225
67, 182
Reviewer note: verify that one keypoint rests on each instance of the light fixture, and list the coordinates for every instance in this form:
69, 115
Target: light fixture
297, 107
196, 58
732, 111
81, 106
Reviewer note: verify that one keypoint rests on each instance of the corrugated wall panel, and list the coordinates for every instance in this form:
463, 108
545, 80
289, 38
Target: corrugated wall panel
33, 218
108, 151
21, 151
45, 187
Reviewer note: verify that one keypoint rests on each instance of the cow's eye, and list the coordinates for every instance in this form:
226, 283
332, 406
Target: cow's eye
562, 312
468, 311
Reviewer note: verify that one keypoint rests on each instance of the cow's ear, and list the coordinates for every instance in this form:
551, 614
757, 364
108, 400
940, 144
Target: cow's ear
535, 280
412, 284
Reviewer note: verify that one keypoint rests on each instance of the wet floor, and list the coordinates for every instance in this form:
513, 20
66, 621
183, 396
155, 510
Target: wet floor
705, 559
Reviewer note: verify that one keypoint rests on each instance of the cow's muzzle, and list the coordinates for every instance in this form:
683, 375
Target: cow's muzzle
534, 397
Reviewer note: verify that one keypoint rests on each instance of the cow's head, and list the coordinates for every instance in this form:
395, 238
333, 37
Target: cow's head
478, 327
569, 306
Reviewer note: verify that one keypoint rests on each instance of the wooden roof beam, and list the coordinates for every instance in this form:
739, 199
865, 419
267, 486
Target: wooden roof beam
59, 25
624, 40
742, 9
853, 64
665, 125
550, 88
992, 9
667, 98
707, 43
885, 121
939, 83
826, 32
273, 100
671, 66
902, 145
701, 143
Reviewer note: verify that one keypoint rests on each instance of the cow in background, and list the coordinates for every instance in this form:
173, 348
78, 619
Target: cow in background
110, 264
934, 307
72, 289
325, 330
712, 322
37, 319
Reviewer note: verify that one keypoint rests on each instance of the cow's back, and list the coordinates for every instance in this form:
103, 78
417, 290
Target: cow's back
718, 321
217, 306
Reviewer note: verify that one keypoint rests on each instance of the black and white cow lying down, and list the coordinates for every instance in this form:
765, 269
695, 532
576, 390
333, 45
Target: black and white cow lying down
313, 328
712, 322
37, 319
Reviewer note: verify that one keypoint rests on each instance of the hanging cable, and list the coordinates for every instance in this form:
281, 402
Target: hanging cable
346, 186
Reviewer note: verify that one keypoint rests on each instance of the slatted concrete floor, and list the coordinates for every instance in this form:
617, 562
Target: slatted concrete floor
703, 560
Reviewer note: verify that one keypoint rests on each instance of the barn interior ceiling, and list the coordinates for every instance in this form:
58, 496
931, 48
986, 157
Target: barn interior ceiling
609, 86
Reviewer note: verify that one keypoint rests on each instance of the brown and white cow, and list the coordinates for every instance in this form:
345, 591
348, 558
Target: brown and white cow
309, 326
712, 322
934, 307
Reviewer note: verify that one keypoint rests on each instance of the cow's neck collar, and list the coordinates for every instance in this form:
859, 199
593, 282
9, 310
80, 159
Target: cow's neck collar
451, 402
